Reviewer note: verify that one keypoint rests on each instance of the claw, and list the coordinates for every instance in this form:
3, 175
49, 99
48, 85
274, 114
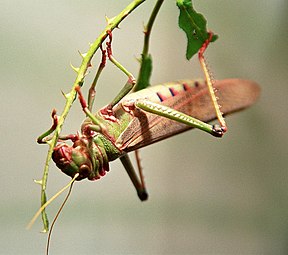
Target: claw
218, 131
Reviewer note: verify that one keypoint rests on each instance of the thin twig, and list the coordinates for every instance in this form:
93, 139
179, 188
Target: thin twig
70, 97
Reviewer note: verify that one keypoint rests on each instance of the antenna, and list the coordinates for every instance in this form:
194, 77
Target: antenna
30, 224
57, 215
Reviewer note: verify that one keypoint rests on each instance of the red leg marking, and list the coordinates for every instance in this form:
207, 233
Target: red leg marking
81, 98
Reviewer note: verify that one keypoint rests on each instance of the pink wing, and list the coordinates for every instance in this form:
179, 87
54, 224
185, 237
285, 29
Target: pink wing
147, 128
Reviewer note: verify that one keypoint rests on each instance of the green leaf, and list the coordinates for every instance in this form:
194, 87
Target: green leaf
143, 80
194, 25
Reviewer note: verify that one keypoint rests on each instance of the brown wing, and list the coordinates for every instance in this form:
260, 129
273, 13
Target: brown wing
147, 128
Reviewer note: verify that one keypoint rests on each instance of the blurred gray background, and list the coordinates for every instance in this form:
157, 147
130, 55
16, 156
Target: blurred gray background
207, 195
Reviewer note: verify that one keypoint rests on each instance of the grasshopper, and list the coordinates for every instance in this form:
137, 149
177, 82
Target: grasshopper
132, 121
146, 117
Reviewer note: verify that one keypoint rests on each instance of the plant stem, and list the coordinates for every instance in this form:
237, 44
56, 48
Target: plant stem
70, 97
146, 60
149, 25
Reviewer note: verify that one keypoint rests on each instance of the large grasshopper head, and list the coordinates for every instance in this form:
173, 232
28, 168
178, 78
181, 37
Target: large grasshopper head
77, 159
